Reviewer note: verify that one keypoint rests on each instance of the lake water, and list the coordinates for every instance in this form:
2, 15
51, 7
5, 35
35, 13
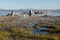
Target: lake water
4, 13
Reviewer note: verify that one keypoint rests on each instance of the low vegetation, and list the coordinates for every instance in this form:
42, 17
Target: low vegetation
11, 30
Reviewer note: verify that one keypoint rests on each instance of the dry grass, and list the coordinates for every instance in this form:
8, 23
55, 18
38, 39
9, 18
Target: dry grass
12, 28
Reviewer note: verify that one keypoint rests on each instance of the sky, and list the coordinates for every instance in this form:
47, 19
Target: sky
28, 4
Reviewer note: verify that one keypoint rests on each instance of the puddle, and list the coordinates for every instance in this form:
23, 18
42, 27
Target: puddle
39, 31
31, 24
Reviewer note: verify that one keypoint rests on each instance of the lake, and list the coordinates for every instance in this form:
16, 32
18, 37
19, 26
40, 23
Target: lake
4, 13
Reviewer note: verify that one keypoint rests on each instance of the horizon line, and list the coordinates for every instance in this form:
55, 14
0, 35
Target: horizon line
26, 8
